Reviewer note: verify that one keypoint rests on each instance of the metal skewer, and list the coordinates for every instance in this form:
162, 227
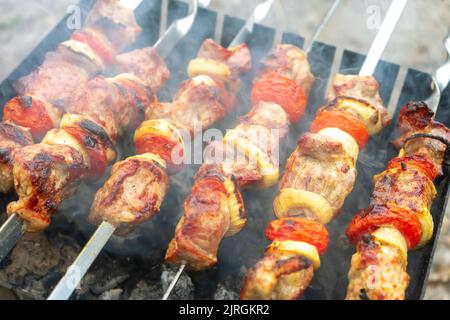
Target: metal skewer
164, 46
308, 48
383, 36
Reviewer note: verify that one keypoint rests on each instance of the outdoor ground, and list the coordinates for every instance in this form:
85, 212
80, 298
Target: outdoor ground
416, 43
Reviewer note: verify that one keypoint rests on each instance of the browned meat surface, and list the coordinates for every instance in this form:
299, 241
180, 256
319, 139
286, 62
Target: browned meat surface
359, 87
115, 21
268, 115
238, 58
131, 195
44, 175
320, 165
378, 272
196, 105
407, 188
54, 81
11, 138
232, 162
96, 100
278, 277
290, 62
205, 221
145, 65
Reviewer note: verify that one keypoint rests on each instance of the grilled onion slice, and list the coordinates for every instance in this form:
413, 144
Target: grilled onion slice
210, 67
59, 136
288, 199
296, 247
363, 110
392, 236
348, 142
151, 157
269, 171
235, 208
426, 221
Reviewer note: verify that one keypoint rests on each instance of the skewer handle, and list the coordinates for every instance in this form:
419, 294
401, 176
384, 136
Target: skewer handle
81, 265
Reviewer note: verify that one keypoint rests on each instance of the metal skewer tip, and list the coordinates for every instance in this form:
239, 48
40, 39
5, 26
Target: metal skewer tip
174, 282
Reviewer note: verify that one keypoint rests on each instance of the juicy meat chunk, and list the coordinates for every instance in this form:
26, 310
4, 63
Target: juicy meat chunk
198, 234
238, 59
378, 272
95, 100
196, 106
145, 65
359, 87
291, 62
11, 137
132, 194
54, 81
407, 188
320, 165
278, 277
115, 21
44, 175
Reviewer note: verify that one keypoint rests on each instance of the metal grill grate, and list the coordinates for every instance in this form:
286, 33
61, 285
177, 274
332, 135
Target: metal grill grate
139, 257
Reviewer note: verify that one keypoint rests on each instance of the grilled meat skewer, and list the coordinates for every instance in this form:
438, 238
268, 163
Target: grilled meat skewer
318, 177
84, 144
398, 218
215, 208
45, 94
137, 185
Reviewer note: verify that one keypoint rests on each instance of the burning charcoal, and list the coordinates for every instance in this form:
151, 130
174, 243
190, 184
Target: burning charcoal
37, 264
114, 294
146, 291
223, 293
102, 287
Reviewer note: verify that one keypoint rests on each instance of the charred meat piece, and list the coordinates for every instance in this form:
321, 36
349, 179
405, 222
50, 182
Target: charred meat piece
277, 277
378, 272
205, 221
220, 63
142, 63
115, 21
54, 81
132, 194
320, 165
44, 175
291, 62
11, 137
359, 87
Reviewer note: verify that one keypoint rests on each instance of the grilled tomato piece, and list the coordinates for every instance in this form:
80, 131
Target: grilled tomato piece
298, 229
343, 121
32, 113
161, 138
272, 87
375, 217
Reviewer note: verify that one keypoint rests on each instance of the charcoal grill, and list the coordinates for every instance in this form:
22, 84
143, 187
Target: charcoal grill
132, 267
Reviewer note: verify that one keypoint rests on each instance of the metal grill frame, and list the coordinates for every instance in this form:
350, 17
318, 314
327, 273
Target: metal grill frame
330, 281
